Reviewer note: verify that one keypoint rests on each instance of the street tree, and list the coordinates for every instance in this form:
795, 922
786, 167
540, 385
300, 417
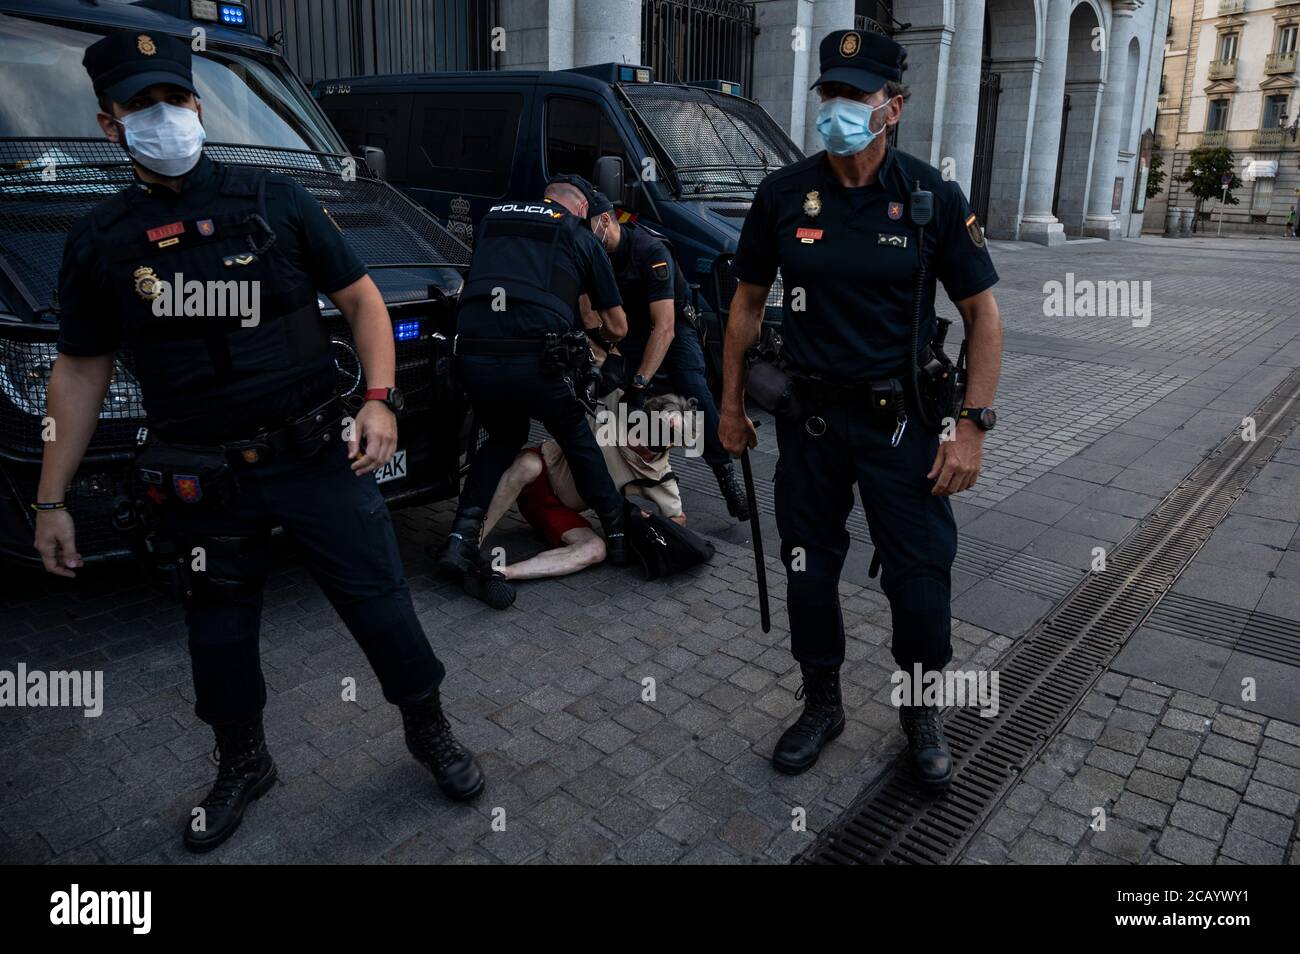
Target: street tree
1206, 167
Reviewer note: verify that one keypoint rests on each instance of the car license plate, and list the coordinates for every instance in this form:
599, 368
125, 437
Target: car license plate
395, 469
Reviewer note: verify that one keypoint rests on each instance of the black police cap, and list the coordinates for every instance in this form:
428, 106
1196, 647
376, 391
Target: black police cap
124, 63
863, 60
598, 204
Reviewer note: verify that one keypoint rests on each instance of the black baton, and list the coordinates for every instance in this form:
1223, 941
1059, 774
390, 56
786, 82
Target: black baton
755, 525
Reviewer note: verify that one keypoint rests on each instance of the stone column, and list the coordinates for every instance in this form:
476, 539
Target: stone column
783, 57
929, 45
1012, 145
1100, 222
606, 31
827, 15
538, 34
1038, 224
961, 106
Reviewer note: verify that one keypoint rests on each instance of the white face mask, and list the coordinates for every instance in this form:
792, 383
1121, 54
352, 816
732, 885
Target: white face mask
165, 139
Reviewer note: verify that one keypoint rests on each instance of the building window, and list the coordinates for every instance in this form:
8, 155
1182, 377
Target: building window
1274, 112
1286, 38
577, 134
1217, 119
1262, 197
1228, 47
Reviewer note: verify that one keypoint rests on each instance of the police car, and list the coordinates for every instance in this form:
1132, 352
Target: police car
682, 159
55, 165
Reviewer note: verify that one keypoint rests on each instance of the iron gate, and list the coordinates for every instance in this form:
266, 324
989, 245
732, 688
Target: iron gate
687, 40
985, 133
326, 39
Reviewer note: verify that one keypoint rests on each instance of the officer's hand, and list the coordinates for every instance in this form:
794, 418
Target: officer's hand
736, 431
56, 542
957, 465
376, 432
634, 398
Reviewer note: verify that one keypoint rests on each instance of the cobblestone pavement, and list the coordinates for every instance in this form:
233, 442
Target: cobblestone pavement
1099, 420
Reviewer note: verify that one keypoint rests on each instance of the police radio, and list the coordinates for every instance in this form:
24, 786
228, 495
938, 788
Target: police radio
936, 383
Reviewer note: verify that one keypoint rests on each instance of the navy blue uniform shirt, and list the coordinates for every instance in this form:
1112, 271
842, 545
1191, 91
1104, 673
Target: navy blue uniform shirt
90, 325
646, 273
848, 261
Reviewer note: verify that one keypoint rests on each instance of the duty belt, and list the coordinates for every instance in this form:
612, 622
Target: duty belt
497, 347
884, 400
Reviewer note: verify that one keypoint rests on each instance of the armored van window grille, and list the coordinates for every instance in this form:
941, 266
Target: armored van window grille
47, 185
687, 40
715, 144
326, 39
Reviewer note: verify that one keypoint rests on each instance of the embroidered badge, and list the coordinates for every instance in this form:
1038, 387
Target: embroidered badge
145, 45
974, 231
246, 258
206, 227
187, 488
147, 283
660, 270
849, 44
165, 231
895, 210
808, 236
812, 204
893, 241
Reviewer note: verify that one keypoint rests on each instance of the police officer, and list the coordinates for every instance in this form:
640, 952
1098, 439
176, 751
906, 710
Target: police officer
843, 227
661, 333
245, 431
519, 317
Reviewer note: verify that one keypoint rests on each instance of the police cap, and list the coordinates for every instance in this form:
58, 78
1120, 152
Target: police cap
124, 63
863, 60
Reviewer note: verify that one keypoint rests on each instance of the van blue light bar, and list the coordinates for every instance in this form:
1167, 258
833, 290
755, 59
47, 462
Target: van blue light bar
407, 331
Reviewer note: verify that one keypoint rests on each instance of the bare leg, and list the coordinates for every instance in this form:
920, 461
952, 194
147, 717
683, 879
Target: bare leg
582, 548
526, 468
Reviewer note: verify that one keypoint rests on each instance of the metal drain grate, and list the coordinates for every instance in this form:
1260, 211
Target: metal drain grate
1043, 678
1241, 630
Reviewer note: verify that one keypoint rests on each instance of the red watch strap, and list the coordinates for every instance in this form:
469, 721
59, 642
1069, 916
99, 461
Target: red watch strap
376, 394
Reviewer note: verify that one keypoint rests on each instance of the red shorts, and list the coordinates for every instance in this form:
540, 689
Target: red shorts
545, 511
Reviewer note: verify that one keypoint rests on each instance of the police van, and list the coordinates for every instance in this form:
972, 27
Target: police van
55, 165
682, 159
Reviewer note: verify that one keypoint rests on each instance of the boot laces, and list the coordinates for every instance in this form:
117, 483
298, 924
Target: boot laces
232, 775
439, 743
925, 729
818, 711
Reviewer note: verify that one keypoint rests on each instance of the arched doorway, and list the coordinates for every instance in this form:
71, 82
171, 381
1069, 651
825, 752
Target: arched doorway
1084, 81
1013, 32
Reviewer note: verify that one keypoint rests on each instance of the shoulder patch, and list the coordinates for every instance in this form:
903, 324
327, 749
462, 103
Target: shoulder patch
660, 270
974, 231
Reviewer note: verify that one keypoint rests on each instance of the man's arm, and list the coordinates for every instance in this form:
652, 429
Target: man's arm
76, 394
663, 319
957, 465
376, 428
744, 324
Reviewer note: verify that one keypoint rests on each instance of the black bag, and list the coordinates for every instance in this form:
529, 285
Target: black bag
195, 478
660, 546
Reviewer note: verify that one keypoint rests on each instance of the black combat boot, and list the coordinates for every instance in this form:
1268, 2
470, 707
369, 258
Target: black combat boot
245, 772
822, 720
733, 491
615, 540
462, 549
488, 585
931, 761
429, 738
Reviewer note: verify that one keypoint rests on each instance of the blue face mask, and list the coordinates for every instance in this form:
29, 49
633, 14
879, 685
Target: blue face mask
845, 125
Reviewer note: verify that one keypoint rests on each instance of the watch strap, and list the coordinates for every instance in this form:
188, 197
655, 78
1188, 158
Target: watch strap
376, 394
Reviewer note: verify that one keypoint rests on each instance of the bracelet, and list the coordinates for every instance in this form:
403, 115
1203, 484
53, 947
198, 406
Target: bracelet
46, 507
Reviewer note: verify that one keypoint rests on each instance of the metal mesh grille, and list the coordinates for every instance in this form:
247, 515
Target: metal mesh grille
717, 144
47, 185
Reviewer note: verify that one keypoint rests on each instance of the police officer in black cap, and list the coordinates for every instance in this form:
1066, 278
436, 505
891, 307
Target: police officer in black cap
245, 431
849, 229
661, 333
522, 355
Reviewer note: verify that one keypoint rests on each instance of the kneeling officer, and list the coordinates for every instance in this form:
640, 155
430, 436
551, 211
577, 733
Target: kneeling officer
245, 431
521, 352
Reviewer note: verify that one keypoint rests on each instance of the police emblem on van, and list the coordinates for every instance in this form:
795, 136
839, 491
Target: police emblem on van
147, 284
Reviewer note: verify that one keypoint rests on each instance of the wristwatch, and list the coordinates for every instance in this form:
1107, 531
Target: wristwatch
985, 418
639, 381
390, 396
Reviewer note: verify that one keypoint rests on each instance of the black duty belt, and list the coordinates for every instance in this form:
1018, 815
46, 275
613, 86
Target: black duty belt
498, 347
880, 394
302, 436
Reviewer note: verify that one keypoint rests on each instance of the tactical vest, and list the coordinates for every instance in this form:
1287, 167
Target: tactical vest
521, 249
187, 363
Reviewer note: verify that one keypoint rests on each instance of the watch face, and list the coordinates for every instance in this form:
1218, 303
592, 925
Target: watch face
988, 418
396, 400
